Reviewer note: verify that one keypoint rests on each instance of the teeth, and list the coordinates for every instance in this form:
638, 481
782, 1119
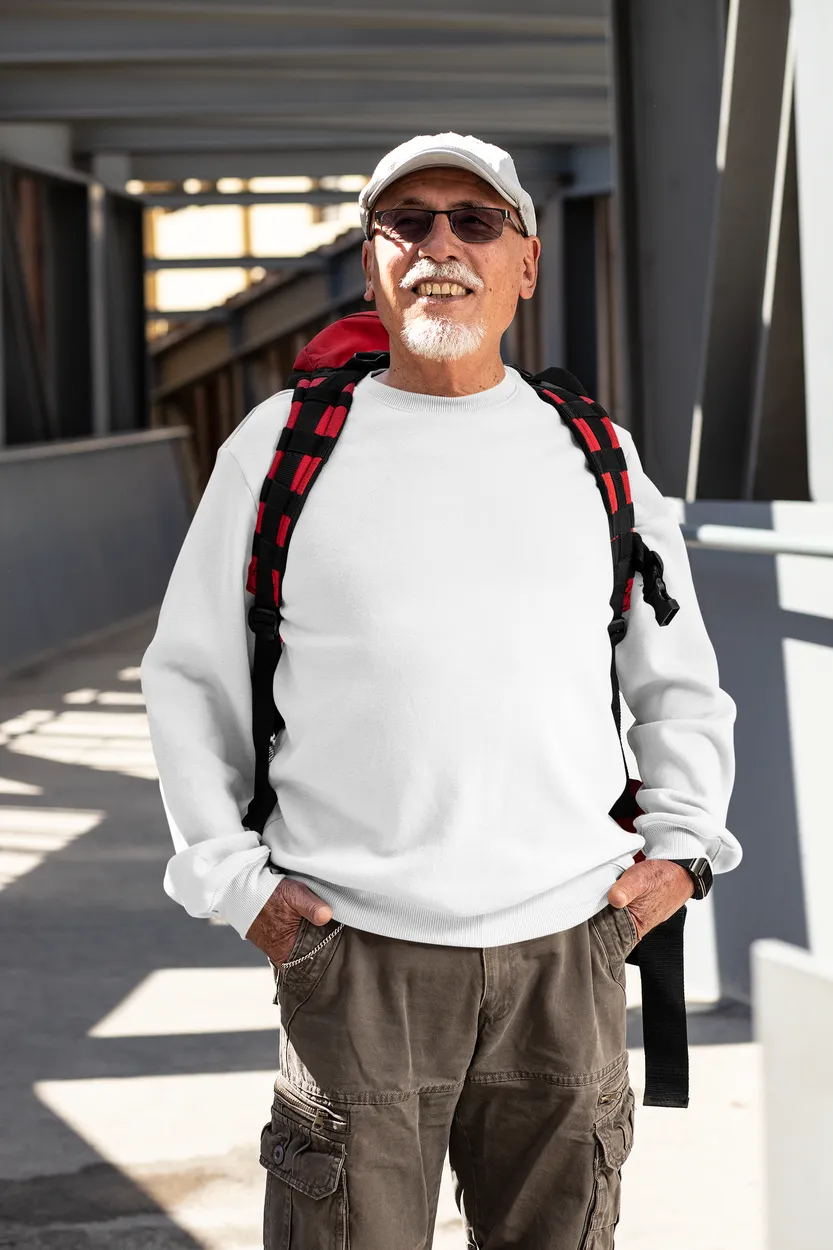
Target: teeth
440, 288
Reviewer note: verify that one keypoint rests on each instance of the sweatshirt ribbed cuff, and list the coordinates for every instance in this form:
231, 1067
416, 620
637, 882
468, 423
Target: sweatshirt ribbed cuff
246, 894
666, 841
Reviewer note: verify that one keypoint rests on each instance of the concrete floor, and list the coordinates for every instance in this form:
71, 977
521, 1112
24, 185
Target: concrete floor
139, 1045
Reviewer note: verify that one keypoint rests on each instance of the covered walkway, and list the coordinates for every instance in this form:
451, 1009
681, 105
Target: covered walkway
671, 167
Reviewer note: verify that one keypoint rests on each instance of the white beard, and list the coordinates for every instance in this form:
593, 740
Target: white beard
442, 338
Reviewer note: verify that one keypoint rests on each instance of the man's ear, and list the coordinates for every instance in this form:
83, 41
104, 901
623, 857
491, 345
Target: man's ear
367, 266
530, 268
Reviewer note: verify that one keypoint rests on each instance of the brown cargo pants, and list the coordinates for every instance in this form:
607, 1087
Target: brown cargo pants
512, 1059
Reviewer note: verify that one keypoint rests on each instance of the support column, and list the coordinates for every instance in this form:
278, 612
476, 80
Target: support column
550, 291
814, 108
747, 157
2, 328
99, 324
667, 63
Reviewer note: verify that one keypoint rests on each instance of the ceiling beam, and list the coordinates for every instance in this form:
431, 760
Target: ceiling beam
419, 60
61, 94
309, 261
482, 15
546, 121
537, 165
245, 198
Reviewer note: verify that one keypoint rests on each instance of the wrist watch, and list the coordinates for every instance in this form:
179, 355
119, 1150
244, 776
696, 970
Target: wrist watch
700, 871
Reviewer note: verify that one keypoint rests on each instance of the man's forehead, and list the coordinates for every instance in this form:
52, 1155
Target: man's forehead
425, 184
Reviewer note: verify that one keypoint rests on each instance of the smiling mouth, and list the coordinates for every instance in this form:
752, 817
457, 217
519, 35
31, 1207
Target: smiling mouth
440, 290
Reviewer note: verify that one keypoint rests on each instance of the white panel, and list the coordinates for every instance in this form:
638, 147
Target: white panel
805, 583
793, 1018
809, 677
813, 25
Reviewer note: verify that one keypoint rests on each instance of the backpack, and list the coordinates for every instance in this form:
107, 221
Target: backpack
323, 380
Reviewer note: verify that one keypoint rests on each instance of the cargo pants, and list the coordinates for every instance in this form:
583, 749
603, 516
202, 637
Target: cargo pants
512, 1059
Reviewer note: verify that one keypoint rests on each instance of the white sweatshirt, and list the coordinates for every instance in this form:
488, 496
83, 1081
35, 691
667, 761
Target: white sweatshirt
450, 755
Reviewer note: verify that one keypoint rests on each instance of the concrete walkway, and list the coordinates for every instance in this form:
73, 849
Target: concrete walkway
140, 1045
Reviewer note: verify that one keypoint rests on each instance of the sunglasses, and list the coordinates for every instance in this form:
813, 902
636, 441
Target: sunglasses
472, 225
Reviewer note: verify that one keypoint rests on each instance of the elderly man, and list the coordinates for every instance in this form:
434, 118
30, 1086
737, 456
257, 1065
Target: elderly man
442, 893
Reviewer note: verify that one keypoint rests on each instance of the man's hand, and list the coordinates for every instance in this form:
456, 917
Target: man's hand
652, 890
275, 927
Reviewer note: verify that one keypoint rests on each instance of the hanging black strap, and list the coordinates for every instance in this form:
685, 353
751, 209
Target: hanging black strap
660, 959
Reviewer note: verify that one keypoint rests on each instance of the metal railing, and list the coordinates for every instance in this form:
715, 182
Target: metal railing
758, 542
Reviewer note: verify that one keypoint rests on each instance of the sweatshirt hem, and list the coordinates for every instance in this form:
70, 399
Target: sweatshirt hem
563, 907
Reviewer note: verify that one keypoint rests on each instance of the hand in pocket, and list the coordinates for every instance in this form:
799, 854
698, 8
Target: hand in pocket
276, 925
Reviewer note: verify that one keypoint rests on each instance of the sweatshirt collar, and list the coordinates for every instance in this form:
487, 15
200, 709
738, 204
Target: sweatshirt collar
413, 401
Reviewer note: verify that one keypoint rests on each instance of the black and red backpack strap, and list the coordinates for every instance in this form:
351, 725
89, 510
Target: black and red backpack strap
320, 405
593, 431
659, 955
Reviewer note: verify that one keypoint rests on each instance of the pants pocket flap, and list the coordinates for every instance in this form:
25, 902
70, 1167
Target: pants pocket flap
302, 1158
615, 1132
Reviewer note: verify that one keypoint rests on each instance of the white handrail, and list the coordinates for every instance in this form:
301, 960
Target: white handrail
49, 449
761, 542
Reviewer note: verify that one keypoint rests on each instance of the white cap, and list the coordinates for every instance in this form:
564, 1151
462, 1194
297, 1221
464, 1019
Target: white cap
462, 151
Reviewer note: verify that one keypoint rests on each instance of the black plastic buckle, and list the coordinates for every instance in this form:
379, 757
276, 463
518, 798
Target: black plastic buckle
656, 592
368, 357
264, 622
617, 629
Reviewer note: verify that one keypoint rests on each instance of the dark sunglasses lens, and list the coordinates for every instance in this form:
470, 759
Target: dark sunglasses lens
408, 225
477, 225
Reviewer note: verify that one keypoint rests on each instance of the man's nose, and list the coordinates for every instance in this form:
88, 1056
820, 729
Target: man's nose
441, 243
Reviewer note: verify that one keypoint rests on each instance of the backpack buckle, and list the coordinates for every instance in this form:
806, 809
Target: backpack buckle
263, 622
655, 591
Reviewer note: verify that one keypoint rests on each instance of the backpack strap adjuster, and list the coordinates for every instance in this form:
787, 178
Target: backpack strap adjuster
263, 622
654, 590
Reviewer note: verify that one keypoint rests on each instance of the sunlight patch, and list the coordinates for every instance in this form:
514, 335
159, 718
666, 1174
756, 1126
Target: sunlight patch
29, 834
172, 1001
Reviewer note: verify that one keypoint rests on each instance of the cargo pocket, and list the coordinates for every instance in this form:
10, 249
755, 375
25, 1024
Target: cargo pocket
305, 1206
614, 1139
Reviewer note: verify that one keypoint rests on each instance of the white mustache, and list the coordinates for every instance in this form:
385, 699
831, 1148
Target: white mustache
452, 271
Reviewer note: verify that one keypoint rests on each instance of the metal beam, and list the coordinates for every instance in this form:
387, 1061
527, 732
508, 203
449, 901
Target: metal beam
747, 151
187, 314
317, 148
489, 15
504, 62
28, 41
247, 198
115, 90
30, 415
539, 166
308, 261
776, 461
814, 108
323, 101
3, 387
99, 318
666, 61
552, 122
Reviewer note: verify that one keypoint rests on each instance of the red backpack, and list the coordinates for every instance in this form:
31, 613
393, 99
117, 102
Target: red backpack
323, 380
